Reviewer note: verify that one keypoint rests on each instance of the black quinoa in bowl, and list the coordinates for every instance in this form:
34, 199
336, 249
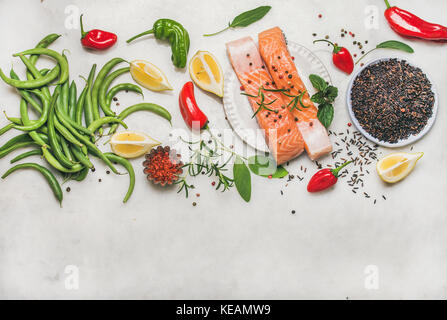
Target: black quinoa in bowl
392, 100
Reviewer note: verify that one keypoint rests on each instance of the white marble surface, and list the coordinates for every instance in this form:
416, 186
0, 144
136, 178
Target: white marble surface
159, 245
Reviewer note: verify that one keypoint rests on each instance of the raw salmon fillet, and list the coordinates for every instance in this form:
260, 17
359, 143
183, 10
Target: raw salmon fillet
281, 133
273, 49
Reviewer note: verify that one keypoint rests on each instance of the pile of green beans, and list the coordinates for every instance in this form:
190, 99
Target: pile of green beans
59, 135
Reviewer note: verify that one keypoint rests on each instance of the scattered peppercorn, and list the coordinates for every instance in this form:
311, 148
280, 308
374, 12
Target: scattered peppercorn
320, 15
115, 99
68, 189
107, 172
194, 204
289, 76
293, 211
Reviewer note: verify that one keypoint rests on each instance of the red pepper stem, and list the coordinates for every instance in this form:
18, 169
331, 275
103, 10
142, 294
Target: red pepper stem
387, 4
336, 48
140, 35
83, 34
337, 170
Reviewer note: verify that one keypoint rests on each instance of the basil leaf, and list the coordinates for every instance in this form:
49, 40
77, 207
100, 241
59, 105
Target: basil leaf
249, 17
318, 97
331, 93
325, 114
265, 166
318, 82
242, 179
393, 44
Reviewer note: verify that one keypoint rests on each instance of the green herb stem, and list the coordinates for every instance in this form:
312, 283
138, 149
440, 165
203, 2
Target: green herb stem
215, 33
365, 55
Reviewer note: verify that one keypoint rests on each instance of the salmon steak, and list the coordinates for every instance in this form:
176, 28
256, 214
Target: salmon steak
274, 52
280, 130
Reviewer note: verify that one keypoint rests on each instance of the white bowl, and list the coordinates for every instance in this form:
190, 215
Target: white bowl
402, 142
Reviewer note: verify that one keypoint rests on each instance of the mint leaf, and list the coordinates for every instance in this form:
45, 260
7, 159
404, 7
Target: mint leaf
331, 93
318, 82
318, 97
325, 114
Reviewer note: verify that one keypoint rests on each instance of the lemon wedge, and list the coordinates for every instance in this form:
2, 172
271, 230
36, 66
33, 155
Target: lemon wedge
128, 144
149, 76
396, 166
206, 72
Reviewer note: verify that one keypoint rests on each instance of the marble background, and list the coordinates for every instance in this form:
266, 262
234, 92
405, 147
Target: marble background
158, 246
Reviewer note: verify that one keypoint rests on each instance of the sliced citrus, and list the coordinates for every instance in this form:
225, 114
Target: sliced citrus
206, 72
396, 166
149, 76
128, 144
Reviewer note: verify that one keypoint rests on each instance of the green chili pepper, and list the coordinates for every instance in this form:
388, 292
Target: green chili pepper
167, 29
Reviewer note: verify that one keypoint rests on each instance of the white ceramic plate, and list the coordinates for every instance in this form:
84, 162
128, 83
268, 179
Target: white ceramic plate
402, 142
238, 109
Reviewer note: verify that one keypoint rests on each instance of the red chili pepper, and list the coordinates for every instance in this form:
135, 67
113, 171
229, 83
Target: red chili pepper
97, 39
341, 57
324, 178
410, 25
193, 116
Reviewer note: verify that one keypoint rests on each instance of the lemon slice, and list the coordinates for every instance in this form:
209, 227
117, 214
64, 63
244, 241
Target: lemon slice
128, 144
149, 76
206, 72
396, 166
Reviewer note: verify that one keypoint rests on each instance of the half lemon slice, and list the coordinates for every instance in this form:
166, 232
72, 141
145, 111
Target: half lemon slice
206, 72
149, 76
396, 166
128, 144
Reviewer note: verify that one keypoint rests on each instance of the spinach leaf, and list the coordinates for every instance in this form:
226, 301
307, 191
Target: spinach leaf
325, 114
242, 179
265, 166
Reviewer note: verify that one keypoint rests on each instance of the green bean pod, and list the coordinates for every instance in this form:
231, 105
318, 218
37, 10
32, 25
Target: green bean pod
121, 87
36, 152
80, 105
63, 97
6, 128
60, 114
128, 166
72, 95
43, 117
88, 107
55, 186
152, 107
26, 94
57, 165
34, 73
44, 43
105, 87
81, 157
19, 145
17, 139
27, 122
81, 175
63, 63
95, 125
31, 84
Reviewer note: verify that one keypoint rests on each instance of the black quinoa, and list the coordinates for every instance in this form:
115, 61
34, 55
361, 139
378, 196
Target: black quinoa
392, 100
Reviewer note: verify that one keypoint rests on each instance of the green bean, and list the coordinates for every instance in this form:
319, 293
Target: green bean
43, 117
26, 94
80, 105
93, 148
63, 63
37, 152
55, 146
72, 94
55, 186
152, 107
63, 97
81, 175
128, 166
6, 128
57, 165
105, 87
103, 121
121, 87
66, 149
88, 107
67, 134
17, 139
19, 145
81, 157
27, 122
31, 84
45, 42
99, 82
35, 74
60, 114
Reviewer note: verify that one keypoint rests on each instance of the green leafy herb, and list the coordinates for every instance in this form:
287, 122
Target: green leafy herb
245, 19
265, 167
242, 178
325, 114
390, 44
318, 82
324, 98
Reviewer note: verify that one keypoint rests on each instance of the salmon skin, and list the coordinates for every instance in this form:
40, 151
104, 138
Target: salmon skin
281, 133
274, 52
